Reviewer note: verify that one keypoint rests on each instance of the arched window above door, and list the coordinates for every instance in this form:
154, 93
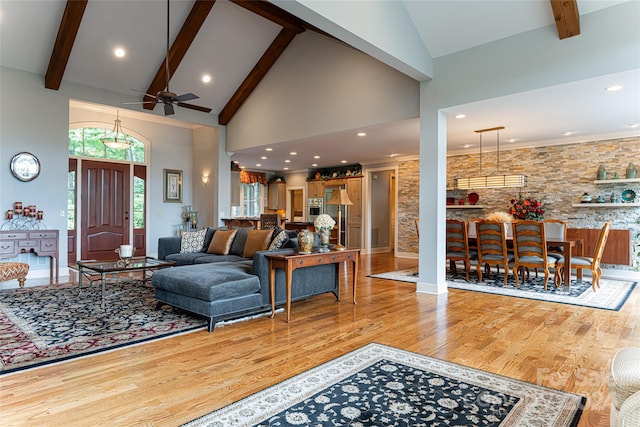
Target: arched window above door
86, 141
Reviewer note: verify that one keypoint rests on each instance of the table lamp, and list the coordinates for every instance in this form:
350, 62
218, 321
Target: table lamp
339, 197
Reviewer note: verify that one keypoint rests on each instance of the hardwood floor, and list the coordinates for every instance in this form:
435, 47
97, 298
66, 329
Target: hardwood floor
172, 381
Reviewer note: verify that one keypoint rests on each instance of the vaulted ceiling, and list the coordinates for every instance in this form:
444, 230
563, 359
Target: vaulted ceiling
237, 41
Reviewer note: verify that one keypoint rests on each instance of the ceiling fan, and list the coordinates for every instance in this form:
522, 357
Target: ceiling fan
166, 97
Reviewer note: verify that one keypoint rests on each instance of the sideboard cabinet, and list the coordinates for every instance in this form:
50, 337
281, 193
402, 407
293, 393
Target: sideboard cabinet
38, 242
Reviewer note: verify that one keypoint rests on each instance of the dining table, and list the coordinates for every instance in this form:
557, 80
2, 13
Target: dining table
570, 247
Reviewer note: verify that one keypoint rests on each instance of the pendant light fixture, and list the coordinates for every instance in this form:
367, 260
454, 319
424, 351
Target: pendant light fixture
492, 181
117, 139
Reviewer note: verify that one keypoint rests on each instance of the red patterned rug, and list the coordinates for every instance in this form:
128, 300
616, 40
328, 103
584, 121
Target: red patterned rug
48, 324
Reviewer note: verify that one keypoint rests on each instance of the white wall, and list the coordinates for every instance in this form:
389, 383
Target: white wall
319, 86
36, 119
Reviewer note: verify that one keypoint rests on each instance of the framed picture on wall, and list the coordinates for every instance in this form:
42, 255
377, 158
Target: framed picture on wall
172, 186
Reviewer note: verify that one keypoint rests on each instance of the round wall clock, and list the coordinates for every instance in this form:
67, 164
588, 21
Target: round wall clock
25, 166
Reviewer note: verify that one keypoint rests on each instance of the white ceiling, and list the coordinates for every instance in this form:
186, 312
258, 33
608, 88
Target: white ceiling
232, 40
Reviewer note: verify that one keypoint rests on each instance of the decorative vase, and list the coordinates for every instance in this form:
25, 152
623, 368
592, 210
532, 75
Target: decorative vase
631, 171
305, 241
602, 173
324, 239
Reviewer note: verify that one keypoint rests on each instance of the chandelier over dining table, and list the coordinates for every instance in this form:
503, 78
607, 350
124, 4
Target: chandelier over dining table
492, 181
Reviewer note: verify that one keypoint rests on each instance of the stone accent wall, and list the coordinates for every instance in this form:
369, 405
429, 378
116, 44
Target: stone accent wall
557, 175
408, 183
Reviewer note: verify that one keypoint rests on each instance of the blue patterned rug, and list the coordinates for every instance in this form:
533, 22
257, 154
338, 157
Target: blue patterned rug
47, 324
611, 295
378, 385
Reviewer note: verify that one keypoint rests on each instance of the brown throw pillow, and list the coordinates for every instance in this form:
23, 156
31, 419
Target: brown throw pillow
257, 240
221, 242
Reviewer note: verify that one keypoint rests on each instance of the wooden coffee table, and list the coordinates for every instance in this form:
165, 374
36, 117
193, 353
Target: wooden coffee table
291, 262
103, 268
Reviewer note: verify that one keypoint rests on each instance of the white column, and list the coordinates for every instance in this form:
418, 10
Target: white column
433, 177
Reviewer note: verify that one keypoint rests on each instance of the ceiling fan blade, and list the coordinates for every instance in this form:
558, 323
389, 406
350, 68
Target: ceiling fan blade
168, 109
194, 107
139, 102
186, 97
144, 93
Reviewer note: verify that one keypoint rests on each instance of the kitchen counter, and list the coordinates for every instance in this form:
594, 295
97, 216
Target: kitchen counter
299, 226
246, 221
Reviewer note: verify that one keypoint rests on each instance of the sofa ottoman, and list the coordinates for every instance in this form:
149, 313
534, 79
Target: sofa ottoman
210, 290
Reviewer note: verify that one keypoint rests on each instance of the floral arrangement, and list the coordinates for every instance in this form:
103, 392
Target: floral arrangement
499, 216
324, 222
526, 209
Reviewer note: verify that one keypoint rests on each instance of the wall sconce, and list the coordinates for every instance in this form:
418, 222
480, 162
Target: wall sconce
205, 179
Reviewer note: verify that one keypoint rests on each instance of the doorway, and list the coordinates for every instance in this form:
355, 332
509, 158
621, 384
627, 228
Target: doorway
105, 207
382, 210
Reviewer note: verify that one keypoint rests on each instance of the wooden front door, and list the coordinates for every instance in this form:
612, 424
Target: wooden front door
105, 209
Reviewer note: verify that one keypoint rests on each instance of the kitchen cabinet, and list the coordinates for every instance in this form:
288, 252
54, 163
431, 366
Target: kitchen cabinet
277, 196
354, 213
315, 189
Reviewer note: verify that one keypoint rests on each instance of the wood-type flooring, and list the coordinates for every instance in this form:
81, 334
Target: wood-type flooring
174, 380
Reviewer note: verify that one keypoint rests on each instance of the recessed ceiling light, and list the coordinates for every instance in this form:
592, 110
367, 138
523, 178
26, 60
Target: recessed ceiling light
242, 167
258, 164
613, 88
343, 161
119, 52
264, 157
459, 116
286, 169
512, 139
362, 134
206, 78
633, 125
467, 146
393, 155
287, 161
569, 132
314, 165
293, 153
316, 157
268, 149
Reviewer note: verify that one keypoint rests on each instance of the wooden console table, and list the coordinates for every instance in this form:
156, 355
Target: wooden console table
38, 242
291, 262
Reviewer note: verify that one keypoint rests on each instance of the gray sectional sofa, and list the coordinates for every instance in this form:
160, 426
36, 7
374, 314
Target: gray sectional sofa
222, 287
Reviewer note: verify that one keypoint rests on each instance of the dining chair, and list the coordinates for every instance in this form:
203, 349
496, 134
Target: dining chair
492, 248
458, 246
530, 249
592, 263
269, 221
555, 229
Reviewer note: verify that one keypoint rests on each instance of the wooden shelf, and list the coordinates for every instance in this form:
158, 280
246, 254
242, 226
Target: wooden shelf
465, 207
606, 205
616, 181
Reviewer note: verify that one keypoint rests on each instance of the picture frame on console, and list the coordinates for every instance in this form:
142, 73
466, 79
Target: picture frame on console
172, 191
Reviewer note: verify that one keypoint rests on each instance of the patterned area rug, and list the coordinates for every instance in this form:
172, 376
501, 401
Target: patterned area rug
611, 295
378, 385
46, 324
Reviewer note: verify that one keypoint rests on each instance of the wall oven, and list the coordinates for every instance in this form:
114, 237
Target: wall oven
314, 208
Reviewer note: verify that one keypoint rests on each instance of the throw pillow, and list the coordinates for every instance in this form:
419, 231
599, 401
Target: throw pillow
192, 241
221, 242
237, 248
279, 241
257, 240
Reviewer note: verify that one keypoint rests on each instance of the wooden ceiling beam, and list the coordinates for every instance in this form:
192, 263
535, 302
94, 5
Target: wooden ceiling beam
181, 44
272, 13
67, 32
567, 17
258, 72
